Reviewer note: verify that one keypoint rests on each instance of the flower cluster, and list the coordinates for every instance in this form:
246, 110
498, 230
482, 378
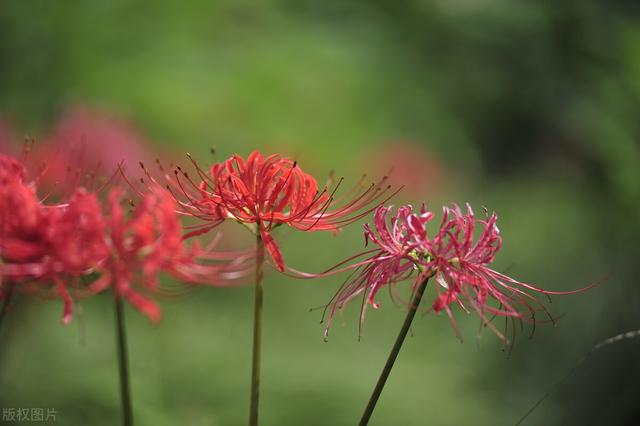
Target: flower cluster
97, 229
87, 241
77, 243
91, 242
458, 256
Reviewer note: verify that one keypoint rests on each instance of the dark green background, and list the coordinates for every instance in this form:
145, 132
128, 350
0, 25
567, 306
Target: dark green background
528, 108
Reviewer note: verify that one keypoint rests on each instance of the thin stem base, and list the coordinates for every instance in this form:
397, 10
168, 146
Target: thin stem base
123, 363
415, 302
257, 333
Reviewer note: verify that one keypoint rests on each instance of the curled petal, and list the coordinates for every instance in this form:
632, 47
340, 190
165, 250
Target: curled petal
144, 305
272, 249
66, 298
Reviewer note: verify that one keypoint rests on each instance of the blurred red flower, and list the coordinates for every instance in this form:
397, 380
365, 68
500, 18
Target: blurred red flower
88, 145
410, 165
150, 241
49, 244
52, 246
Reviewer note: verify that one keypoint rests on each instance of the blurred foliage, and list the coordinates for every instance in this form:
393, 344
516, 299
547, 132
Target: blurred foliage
528, 108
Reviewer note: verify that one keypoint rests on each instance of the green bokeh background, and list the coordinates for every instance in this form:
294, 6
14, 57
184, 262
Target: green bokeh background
527, 108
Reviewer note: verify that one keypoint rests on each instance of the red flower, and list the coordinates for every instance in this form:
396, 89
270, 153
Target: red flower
50, 247
87, 145
49, 243
269, 192
458, 259
150, 242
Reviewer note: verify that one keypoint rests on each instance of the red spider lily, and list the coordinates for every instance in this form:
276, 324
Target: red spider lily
459, 261
150, 242
50, 243
269, 191
30, 229
21, 214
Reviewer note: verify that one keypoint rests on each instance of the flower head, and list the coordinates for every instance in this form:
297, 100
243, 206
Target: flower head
148, 242
49, 244
265, 192
87, 145
43, 246
459, 256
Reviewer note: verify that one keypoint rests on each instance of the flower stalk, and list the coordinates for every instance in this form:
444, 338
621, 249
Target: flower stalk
257, 332
395, 350
123, 363
6, 303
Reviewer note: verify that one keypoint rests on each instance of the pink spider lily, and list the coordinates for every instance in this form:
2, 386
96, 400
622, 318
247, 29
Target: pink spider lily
457, 258
265, 192
393, 259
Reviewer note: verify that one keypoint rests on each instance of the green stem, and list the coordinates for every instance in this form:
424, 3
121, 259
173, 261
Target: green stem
7, 301
123, 363
257, 333
417, 297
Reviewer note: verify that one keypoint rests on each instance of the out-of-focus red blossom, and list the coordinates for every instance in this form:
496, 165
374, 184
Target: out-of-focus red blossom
459, 261
270, 191
20, 213
143, 245
87, 144
20, 216
417, 169
150, 242
47, 243
55, 245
